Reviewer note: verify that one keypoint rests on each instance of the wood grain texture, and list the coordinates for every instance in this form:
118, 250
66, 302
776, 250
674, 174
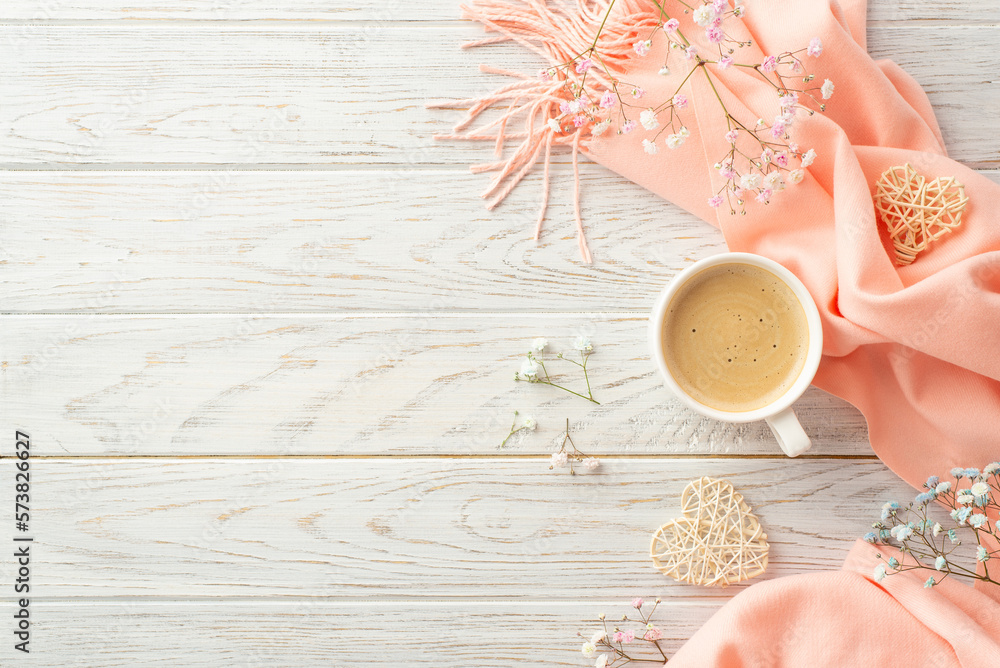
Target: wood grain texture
958, 12
344, 94
413, 240
306, 385
333, 634
404, 528
359, 240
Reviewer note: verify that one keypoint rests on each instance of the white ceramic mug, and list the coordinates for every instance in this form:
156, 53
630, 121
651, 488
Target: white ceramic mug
779, 415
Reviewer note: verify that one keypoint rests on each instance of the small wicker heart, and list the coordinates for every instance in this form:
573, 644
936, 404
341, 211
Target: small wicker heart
916, 211
716, 541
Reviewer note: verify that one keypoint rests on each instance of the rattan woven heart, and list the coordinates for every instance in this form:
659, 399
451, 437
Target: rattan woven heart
716, 541
917, 211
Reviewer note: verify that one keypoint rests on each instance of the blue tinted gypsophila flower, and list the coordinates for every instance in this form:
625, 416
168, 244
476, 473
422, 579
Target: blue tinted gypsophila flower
893, 562
961, 514
977, 521
957, 472
924, 498
870, 537
971, 474
982, 554
888, 509
940, 563
991, 469
901, 532
930, 583
943, 487
951, 536
932, 482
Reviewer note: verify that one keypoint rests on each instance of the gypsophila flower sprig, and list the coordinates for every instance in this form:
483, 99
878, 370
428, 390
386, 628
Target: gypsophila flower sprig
565, 457
633, 639
971, 498
533, 369
762, 157
527, 424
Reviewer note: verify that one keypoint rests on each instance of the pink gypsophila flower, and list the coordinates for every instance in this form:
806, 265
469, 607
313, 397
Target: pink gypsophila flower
725, 62
637, 602
715, 202
545, 75
638, 92
732, 136
764, 196
655, 633
769, 64
714, 34
628, 126
564, 107
778, 130
671, 25
815, 47
641, 48
584, 65
690, 53
781, 159
680, 101
607, 100
579, 120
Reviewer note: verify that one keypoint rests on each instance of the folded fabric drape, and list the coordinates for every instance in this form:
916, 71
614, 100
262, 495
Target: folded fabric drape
843, 618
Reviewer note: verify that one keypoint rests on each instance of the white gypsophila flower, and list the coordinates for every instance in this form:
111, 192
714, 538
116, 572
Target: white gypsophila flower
940, 563
560, 459
589, 650
965, 498
529, 368
980, 490
827, 89
539, 344
650, 147
750, 181
602, 661
809, 157
598, 636
795, 176
554, 124
936, 531
591, 463
648, 119
774, 181
942, 487
583, 344
599, 128
704, 15
675, 141
879, 573
529, 423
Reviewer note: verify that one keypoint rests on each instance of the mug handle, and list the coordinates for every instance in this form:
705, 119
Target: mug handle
791, 437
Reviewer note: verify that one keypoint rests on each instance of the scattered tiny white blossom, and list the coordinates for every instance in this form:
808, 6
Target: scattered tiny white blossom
554, 125
940, 563
982, 554
648, 119
598, 636
880, 573
560, 459
809, 157
599, 128
795, 176
583, 344
602, 661
650, 146
589, 649
827, 89
591, 463
539, 344
704, 15
750, 181
529, 368
641, 48
529, 423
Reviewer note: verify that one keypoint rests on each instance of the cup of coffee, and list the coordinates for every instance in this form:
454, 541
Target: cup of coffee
738, 338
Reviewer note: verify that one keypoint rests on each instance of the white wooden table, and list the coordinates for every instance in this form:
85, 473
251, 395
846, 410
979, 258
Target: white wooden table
262, 334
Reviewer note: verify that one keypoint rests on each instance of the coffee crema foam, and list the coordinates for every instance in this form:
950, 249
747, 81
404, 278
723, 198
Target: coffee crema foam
735, 337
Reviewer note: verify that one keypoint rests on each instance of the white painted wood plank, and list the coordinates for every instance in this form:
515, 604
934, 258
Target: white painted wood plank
343, 94
431, 384
334, 634
412, 240
953, 11
343, 240
364, 528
